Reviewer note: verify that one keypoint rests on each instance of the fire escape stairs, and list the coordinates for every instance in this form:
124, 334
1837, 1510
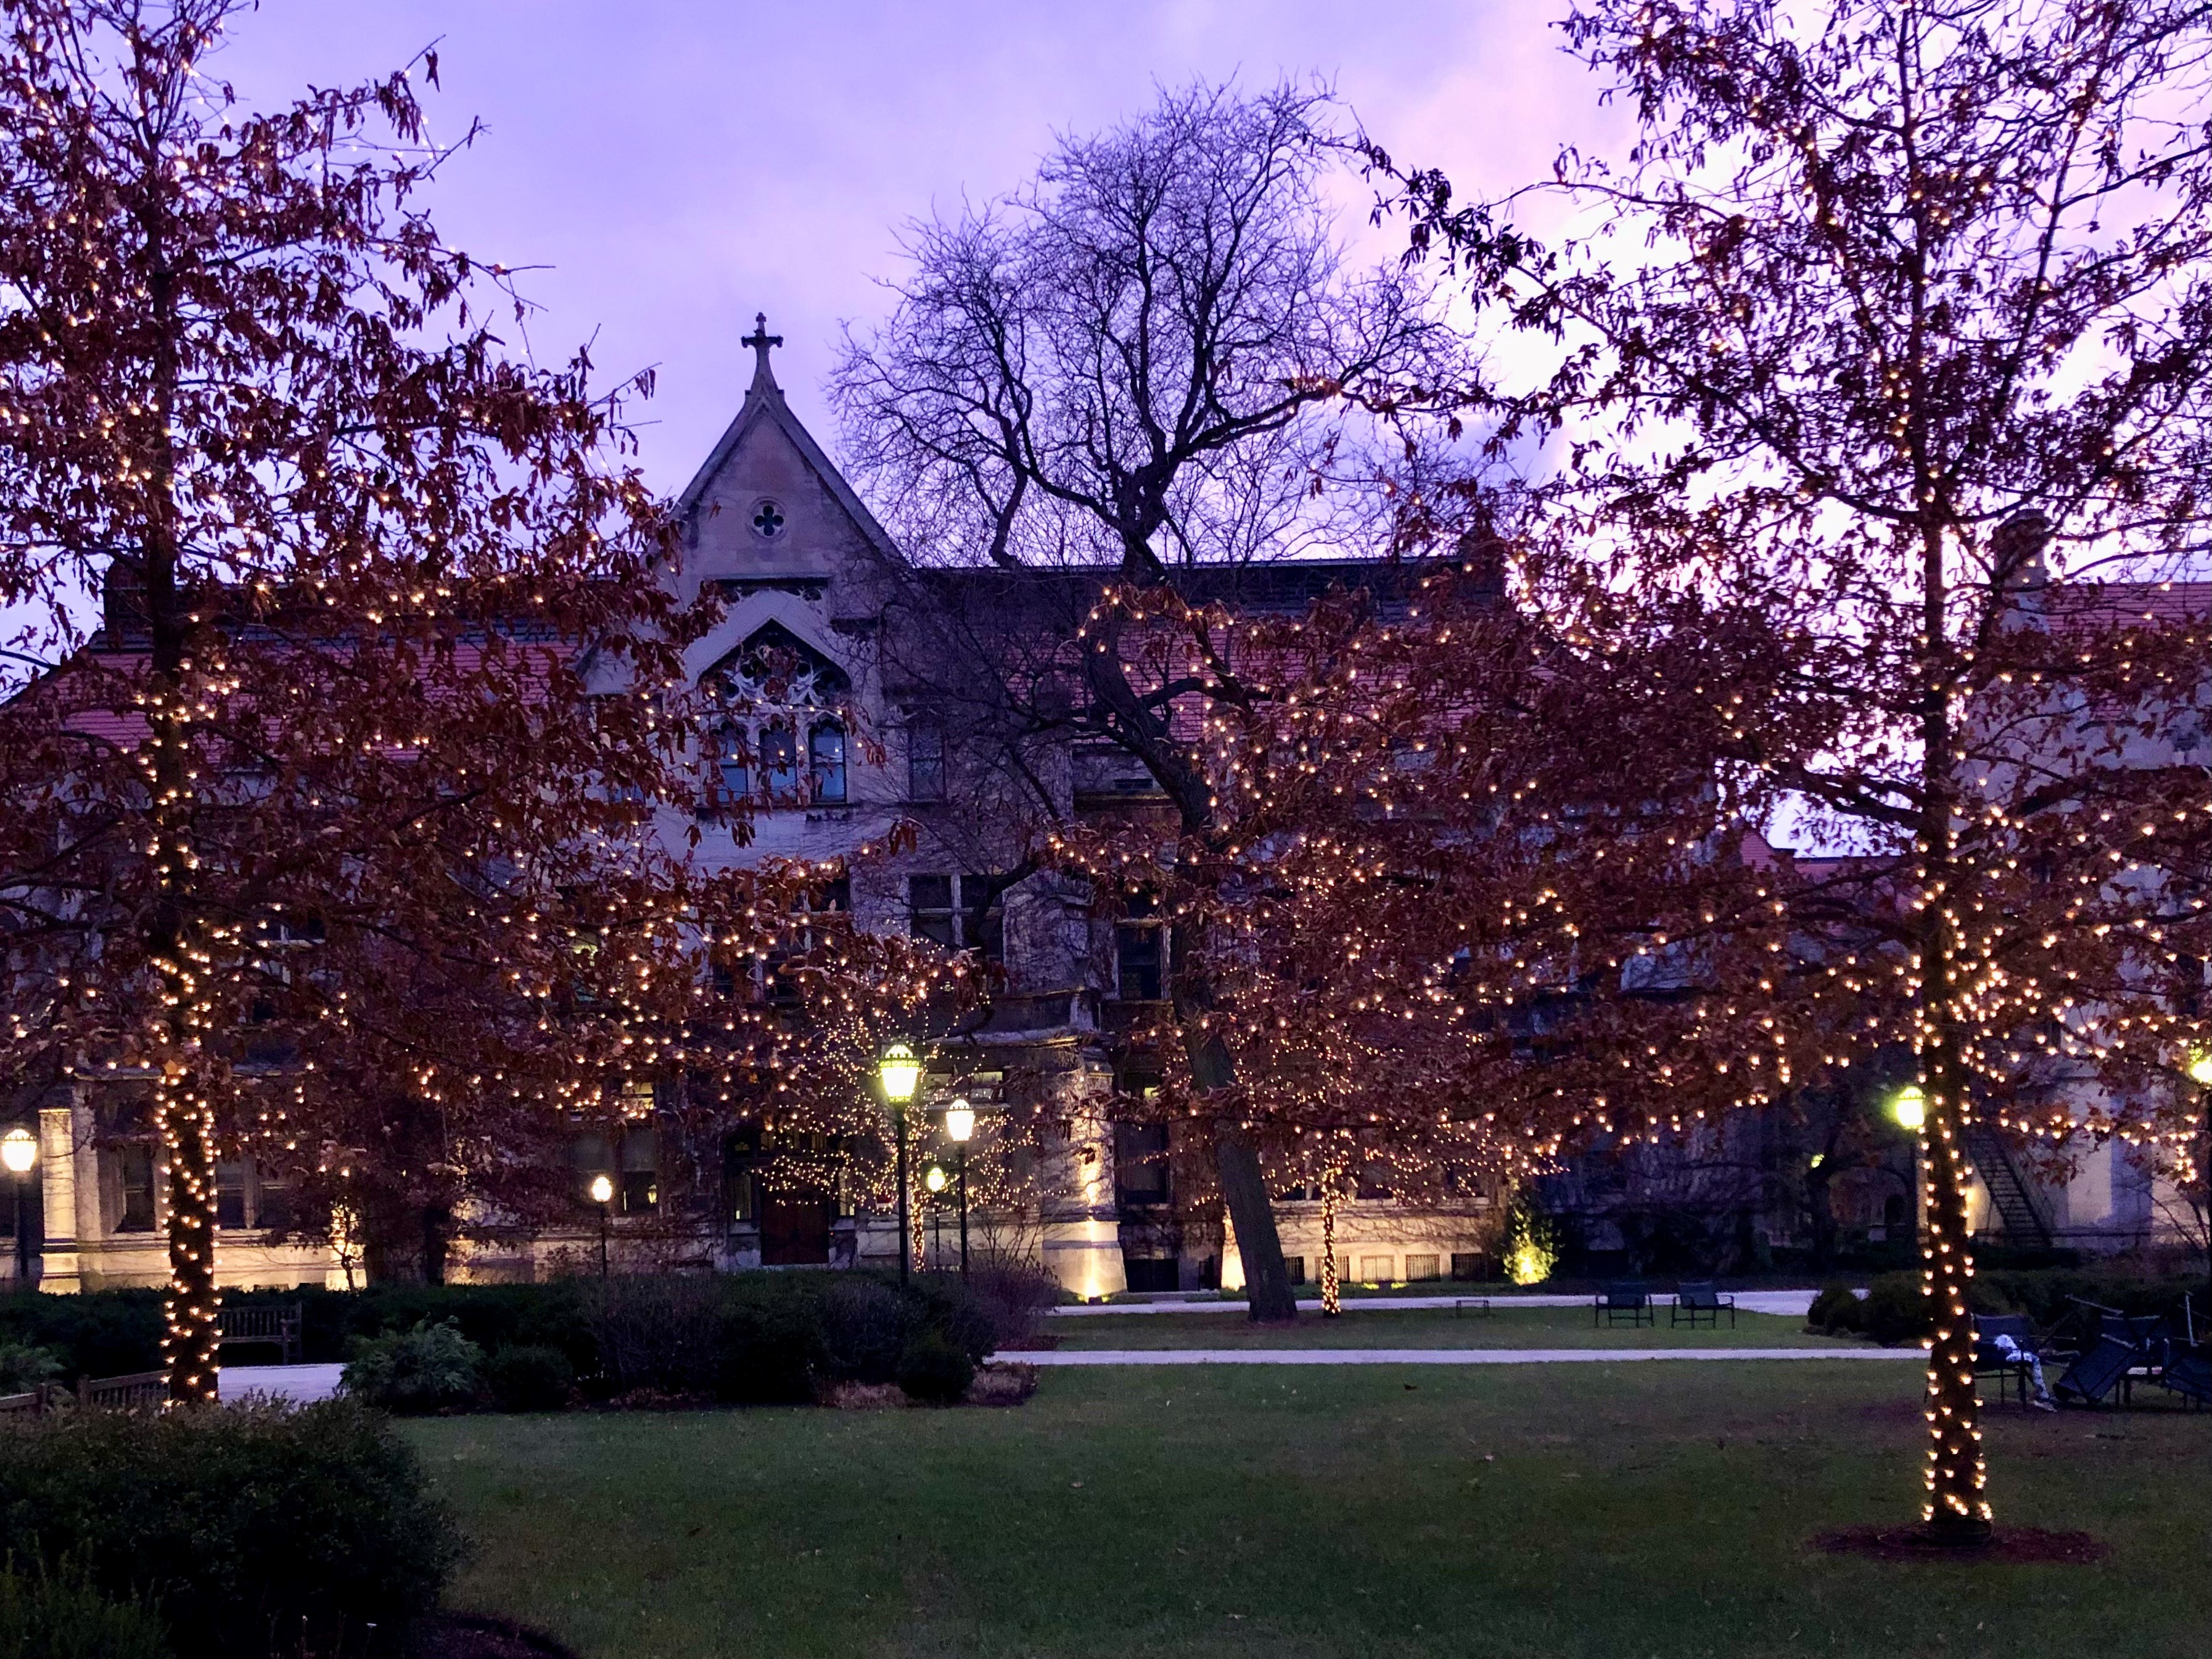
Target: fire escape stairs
2012, 1195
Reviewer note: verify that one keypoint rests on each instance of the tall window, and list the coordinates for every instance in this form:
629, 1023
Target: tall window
730, 759
778, 762
826, 763
925, 761
1141, 950
1141, 1163
929, 901
134, 1169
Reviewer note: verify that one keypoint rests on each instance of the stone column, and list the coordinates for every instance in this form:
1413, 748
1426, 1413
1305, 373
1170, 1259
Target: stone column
1082, 1226
70, 1195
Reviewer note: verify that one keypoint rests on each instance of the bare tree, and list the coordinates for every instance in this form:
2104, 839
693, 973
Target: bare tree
1152, 363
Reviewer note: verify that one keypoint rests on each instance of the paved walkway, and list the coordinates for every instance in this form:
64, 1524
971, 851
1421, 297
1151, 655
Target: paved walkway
1430, 1356
299, 1383
1793, 1304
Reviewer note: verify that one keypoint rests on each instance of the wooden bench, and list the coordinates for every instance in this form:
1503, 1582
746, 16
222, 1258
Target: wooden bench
278, 1326
139, 1391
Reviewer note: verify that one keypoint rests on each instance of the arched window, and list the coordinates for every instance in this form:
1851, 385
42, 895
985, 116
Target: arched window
825, 762
778, 762
737, 776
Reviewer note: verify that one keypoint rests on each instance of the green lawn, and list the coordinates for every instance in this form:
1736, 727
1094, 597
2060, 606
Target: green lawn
1569, 1512
1385, 1328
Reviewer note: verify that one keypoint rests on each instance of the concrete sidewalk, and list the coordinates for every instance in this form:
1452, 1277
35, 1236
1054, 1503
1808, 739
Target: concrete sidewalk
1430, 1356
300, 1383
1791, 1304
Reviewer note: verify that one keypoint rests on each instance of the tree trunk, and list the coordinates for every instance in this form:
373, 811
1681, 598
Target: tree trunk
1956, 1512
437, 1242
1332, 1303
1244, 1188
183, 1110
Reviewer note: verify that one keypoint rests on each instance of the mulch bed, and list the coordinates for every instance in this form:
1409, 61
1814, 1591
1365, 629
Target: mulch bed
2009, 1546
469, 1636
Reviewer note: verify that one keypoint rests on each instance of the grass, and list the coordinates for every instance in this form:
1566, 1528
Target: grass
1386, 1327
1571, 1512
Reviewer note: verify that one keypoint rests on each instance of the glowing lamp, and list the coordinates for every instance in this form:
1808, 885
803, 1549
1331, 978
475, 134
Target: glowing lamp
1910, 1107
2200, 1070
899, 1071
18, 1150
935, 1179
960, 1120
603, 1190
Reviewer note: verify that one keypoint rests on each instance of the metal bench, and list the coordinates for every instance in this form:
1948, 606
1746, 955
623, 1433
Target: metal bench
1990, 1360
1700, 1303
276, 1326
1627, 1301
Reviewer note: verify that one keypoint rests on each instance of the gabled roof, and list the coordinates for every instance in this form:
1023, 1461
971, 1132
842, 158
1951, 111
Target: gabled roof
765, 401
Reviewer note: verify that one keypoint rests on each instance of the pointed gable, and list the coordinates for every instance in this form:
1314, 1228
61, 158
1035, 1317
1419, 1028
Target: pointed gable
767, 499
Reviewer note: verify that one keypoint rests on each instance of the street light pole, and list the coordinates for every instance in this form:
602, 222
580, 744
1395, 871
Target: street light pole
960, 1124
19, 1151
899, 1073
602, 1195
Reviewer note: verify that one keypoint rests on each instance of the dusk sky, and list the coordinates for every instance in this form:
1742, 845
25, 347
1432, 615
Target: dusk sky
678, 165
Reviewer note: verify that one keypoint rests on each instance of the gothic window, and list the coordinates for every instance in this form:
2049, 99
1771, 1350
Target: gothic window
737, 776
767, 519
779, 693
778, 762
825, 762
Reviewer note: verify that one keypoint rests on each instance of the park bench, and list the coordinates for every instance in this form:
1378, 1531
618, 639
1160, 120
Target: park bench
139, 1391
1628, 1302
278, 1327
1990, 1360
1696, 1302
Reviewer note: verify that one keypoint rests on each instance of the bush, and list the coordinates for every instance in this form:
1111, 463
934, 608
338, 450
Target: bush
526, 1377
769, 1350
935, 1369
62, 1615
1894, 1312
1836, 1311
23, 1366
428, 1369
105, 1334
236, 1522
866, 1327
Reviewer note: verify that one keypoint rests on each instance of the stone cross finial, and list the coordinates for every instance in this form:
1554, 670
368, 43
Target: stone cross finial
761, 341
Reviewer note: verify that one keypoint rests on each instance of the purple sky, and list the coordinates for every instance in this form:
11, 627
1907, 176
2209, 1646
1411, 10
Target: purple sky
681, 164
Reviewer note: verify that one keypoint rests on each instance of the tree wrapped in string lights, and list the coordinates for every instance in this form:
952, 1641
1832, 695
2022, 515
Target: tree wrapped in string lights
1896, 310
338, 843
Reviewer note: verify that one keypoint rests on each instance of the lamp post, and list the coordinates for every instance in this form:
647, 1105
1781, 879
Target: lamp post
2200, 1073
898, 1071
960, 1127
19, 1150
1910, 1108
602, 1195
936, 1180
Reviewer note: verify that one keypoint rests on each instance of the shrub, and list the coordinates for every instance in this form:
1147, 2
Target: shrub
1894, 1312
936, 1370
106, 1334
1015, 1299
658, 1331
769, 1350
526, 1377
61, 1615
236, 1522
425, 1369
1835, 1311
866, 1327
23, 1366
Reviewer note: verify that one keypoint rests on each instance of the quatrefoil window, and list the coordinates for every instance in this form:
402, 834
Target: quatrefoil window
768, 520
